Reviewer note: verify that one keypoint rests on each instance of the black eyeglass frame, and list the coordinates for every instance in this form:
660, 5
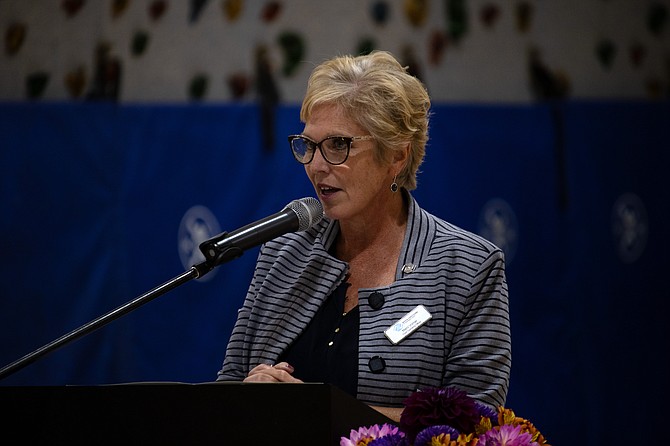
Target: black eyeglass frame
348, 139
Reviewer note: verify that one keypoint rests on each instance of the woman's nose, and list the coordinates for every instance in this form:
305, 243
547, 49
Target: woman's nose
318, 161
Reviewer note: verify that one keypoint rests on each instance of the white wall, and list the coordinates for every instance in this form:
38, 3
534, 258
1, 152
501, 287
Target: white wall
488, 65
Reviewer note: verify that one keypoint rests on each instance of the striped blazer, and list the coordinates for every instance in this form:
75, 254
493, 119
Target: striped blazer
457, 276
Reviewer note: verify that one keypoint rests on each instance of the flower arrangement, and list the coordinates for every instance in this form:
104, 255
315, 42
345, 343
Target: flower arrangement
449, 417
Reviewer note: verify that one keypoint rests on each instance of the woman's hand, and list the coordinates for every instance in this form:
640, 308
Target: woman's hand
278, 373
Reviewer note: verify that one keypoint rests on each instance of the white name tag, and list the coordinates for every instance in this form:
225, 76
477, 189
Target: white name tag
408, 324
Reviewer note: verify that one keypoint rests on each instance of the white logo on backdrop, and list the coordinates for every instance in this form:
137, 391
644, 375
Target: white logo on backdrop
498, 224
630, 227
197, 225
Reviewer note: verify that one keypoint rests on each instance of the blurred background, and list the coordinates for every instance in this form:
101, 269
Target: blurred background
130, 131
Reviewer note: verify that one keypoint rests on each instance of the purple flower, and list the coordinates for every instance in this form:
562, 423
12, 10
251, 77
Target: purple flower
425, 437
486, 411
506, 435
398, 439
438, 406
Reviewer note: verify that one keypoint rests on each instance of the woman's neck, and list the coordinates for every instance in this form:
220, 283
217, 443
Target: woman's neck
375, 234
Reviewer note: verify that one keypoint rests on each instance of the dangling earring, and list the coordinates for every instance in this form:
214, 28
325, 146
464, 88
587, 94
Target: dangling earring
394, 185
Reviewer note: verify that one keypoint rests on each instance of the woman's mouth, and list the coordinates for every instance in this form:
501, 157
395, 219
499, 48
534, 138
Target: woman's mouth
327, 191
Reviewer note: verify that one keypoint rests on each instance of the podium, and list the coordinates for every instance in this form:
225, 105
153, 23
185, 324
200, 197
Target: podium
183, 414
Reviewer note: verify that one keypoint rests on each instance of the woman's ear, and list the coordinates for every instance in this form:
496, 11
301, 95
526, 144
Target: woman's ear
401, 157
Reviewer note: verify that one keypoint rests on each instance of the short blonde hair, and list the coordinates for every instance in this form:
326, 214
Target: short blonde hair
377, 93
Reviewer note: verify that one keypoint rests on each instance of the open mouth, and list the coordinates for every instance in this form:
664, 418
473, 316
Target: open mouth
327, 190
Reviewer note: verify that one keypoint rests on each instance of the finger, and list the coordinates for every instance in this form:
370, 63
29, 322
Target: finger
270, 374
288, 368
260, 369
260, 378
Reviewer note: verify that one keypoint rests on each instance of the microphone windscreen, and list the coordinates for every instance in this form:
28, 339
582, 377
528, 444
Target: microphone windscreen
309, 211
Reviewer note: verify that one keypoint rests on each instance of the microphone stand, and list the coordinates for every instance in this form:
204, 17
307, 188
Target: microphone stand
194, 272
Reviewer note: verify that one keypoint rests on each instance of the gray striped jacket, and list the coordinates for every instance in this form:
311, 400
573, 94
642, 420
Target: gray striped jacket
458, 276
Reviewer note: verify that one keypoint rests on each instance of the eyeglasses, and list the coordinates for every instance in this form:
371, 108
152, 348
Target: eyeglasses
334, 149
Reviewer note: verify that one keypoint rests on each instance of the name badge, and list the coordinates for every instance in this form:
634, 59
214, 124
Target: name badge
408, 324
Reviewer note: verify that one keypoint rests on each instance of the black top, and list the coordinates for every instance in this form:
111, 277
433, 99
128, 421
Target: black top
327, 351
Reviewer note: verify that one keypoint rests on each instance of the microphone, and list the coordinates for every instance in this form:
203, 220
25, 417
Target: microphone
298, 215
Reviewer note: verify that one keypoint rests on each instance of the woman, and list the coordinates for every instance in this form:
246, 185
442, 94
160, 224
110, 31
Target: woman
324, 304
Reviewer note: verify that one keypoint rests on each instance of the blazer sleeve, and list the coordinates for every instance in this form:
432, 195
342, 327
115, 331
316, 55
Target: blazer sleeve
480, 359
236, 361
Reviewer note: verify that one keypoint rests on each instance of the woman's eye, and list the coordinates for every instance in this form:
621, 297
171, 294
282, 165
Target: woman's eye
307, 146
340, 145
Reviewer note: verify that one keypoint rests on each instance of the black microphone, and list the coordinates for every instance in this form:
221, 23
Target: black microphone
298, 215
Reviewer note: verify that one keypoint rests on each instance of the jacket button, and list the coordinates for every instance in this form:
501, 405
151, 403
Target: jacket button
376, 300
377, 364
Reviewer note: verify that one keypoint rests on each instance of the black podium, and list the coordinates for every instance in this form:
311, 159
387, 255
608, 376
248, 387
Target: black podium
183, 414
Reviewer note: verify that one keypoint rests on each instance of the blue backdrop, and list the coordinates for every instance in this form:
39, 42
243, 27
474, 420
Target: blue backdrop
94, 197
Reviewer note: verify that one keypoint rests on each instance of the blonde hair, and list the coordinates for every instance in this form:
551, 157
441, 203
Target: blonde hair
377, 93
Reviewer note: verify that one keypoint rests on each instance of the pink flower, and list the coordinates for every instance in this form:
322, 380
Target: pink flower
506, 435
365, 435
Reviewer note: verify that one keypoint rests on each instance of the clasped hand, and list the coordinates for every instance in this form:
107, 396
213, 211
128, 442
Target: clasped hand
280, 373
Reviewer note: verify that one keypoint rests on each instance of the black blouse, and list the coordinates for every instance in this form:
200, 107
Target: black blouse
327, 351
